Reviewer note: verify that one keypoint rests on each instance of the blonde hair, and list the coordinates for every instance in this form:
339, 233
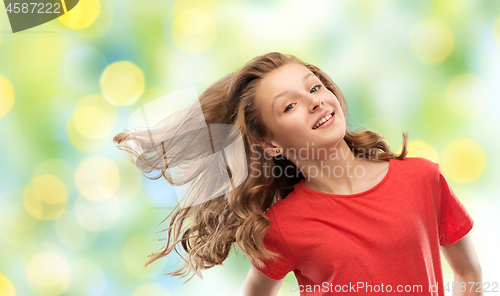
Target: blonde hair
207, 231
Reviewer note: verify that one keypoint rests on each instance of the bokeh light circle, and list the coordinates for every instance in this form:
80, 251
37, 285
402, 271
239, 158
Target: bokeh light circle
80, 142
97, 178
82, 16
6, 96
122, 83
97, 216
91, 123
194, 30
48, 273
50, 189
33, 204
59, 168
467, 95
431, 41
6, 286
463, 160
87, 217
420, 148
46, 198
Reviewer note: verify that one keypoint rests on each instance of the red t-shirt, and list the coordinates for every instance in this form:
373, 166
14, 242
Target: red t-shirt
387, 235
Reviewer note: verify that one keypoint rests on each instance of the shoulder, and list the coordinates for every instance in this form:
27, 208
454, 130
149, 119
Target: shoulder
415, 170
418, 165
276, 214
283, 209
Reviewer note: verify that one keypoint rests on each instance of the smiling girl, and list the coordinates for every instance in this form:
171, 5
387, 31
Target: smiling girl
351, 211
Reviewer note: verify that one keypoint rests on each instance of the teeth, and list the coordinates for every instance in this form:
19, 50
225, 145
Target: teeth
323, 120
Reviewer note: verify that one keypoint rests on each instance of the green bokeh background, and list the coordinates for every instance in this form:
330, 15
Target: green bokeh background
429, 68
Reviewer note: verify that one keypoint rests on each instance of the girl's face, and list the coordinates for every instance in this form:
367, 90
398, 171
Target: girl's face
292, 100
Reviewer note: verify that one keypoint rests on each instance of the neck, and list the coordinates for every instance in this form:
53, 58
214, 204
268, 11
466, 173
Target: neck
336, 171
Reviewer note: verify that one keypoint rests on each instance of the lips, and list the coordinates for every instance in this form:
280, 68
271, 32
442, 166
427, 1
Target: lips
323, 116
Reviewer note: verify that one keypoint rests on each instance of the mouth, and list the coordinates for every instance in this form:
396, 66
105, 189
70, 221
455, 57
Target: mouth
323, 120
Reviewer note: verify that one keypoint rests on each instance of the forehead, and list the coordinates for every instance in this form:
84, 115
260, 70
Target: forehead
288, 74
281, 79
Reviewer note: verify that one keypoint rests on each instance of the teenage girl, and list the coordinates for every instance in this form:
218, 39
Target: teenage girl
335, 206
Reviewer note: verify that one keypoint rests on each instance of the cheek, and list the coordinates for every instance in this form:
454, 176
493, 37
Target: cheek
268, 120
336, 105
334, 100
296, 125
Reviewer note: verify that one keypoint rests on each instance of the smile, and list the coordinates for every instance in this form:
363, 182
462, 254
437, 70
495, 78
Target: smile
325, 121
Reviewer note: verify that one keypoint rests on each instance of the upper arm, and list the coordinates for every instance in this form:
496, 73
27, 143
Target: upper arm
461, 256
260, 285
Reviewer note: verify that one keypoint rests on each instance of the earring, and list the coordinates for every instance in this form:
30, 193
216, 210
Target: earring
277, 151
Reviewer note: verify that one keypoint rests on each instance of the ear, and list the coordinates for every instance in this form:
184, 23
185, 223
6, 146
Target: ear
269, 148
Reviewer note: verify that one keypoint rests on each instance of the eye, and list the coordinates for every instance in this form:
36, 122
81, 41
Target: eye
286, 109
316, 86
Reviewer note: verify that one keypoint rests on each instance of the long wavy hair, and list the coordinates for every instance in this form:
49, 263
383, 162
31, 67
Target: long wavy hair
206, 231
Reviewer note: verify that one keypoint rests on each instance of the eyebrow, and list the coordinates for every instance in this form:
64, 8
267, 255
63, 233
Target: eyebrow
286, 91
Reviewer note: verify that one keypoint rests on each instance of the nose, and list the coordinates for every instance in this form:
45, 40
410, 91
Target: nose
317, 103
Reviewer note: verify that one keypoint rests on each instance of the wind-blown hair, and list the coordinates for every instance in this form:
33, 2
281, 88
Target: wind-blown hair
207, 231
